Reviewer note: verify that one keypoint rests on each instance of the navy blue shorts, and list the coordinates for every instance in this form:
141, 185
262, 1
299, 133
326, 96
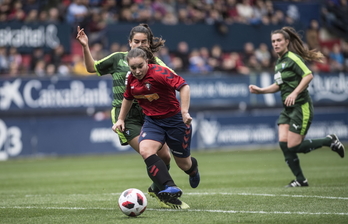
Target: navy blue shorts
171, 130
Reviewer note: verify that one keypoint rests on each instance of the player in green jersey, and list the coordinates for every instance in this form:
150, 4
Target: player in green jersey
292, 78
116, 65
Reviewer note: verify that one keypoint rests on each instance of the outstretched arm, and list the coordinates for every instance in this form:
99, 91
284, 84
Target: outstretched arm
83, 39
269, 89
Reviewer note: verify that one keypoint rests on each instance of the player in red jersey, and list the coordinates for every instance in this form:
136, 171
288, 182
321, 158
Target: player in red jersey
166, 120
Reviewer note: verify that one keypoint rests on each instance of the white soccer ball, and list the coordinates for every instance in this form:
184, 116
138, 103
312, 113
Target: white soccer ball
132, 202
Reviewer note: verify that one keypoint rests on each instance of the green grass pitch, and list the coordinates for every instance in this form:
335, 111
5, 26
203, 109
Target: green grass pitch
236, 187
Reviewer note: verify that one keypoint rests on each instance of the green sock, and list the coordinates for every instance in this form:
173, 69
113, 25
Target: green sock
293, 161
311, 144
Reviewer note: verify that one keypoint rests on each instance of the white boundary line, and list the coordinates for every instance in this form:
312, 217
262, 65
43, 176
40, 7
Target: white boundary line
208, 193
272, 195
185, 210
195, 210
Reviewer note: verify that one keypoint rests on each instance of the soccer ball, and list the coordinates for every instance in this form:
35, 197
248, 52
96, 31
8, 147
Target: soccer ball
132, 202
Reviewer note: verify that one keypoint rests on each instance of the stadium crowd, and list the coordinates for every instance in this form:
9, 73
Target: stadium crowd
95, 15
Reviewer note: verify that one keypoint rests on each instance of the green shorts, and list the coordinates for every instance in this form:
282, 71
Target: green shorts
299, 117
133, 122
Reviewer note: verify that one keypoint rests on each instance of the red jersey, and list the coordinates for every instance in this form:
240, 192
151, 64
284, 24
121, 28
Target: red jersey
156, 91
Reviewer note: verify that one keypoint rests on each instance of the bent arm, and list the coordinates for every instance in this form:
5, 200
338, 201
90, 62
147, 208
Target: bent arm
185, 104
119, 126
89, 61
126, 105
303, 84
87, 56
291, 99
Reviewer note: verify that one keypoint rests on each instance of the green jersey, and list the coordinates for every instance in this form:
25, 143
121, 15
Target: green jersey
289, 71
116, 65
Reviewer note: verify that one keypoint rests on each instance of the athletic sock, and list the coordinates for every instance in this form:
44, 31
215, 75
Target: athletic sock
193, 170
159, 188
293, 161
158, 172
311, 144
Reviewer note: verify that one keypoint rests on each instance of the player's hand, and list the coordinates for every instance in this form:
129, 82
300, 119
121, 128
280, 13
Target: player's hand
254, 89
118, 126
186, 118
290, 100
81, 36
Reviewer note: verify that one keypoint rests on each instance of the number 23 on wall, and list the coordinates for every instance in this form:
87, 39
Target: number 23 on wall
10, 141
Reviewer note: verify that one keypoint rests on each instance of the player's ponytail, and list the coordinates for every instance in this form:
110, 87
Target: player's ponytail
297, 46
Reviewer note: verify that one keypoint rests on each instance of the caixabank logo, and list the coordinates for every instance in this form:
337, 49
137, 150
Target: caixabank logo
53, 94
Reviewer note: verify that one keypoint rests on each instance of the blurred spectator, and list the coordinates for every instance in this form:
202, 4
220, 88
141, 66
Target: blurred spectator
249, 50
126, 15
54, 16
4, 62
254, 65
43, 16
16, 12
163, 54
231, 13
345, 54
265, 20
259, 10
78, 66
96, 28
204, 54
97, 51
64, 69
40, 68
263, 56
278, 18
216, 57
245, 10
183, 16
177, 64
76, 13
213, 17
32, 16
56, 55
111, 7
312, 35
14, 69
37, 55
51, 70
29, 5
14, 57
232, 63
197, 63
5, 7
145, 11
293, 12
170, 19
336, 58
114, 47
182, 52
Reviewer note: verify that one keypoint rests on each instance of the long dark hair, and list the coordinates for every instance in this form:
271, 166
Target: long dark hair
155, 42
296, 45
